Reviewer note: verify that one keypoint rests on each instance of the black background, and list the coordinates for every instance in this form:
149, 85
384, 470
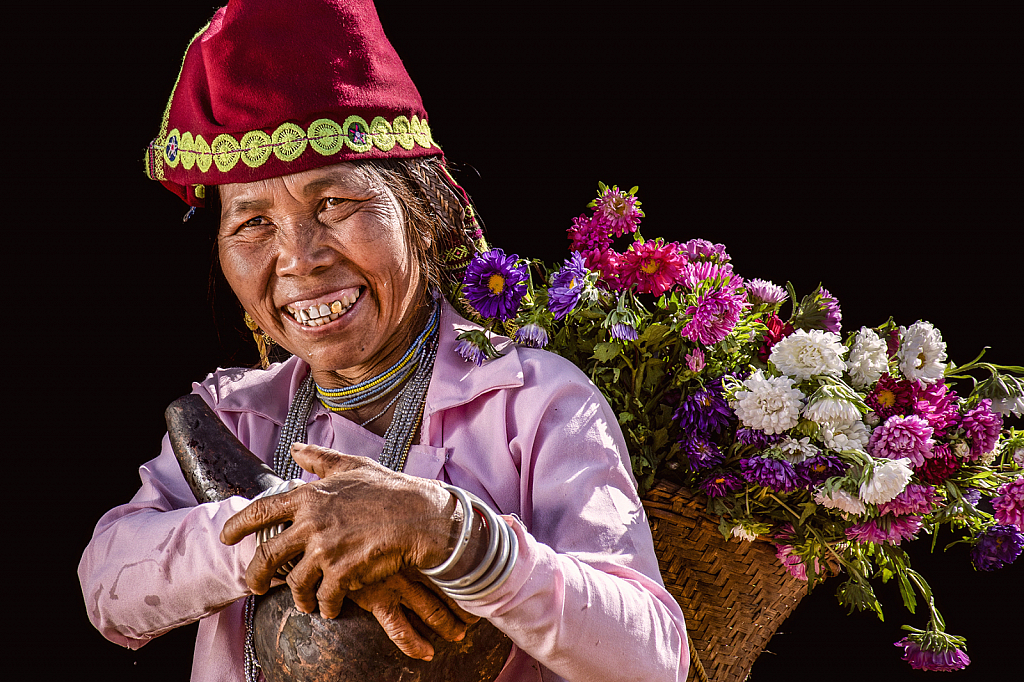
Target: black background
874, 151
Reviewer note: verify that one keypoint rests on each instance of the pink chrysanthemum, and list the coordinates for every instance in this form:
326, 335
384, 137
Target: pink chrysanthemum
653, 267
890, 397
793, 563
714, 316
695, 360
939, 467
1008, 507
702, 250
763, 291
830, 306
890, 530
982, 427
606, 263
943, 659
937, 404
898, 437
694, 273
915, 500
618, 211
587, 234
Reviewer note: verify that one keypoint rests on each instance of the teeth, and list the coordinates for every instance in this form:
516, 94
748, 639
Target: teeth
317, 315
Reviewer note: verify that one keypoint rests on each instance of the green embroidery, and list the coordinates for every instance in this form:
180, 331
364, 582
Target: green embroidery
289, 141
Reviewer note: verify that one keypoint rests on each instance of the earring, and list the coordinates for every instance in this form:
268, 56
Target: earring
263, 341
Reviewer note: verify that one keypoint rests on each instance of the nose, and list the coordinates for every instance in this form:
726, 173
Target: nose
303, 250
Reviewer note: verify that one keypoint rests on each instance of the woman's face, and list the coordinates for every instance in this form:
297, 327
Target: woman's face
321, 261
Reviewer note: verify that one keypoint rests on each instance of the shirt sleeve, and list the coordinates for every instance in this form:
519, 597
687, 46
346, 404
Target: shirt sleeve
585, 598
157, 562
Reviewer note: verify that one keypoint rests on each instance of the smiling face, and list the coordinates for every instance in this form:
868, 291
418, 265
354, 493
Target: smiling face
321, 260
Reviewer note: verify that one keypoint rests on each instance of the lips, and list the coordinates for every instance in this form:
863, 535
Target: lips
320, 313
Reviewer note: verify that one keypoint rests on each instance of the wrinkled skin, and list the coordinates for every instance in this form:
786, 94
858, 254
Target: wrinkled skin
357, 529
306, 238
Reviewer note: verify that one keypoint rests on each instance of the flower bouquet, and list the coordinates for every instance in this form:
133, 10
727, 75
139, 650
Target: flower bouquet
836, 450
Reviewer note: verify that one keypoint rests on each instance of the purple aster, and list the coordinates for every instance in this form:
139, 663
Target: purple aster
774, 474
701, 452
982, 427
470, 351
900, 437
532, 335
916, 499
999, 546
703, 250
944, 659
973, 496
705, 411
818, 469
1008, 507
757, 437
494, 284
714, 316
830, 306
890, 530
721, 484
618, 211
763, 291
566, 286
938, 405
624, 332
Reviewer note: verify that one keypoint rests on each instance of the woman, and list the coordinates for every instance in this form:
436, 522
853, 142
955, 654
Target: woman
339, 228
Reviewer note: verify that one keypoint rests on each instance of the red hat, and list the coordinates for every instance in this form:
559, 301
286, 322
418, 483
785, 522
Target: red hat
273, 87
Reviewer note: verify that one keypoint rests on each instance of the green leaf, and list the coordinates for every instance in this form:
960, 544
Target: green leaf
606, 350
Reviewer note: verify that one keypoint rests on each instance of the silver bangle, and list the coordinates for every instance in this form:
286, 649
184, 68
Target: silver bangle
464, 534
498, 561
267, 532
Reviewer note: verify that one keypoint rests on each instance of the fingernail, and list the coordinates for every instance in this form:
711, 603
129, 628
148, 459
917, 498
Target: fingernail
461, 636
428, 658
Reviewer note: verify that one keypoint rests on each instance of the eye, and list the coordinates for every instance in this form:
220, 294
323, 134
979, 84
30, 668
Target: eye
255, 222
334, 202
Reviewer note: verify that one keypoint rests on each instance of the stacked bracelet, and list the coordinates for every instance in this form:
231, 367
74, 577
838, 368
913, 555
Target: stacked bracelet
499, 559
267, 532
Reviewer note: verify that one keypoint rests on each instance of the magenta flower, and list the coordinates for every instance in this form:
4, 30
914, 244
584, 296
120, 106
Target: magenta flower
830, 306
652, 266
695, 273
900, 437
793, 563
763, 291
607, 263
1008, 507
695, 360
890, 530
938, 405
494, 284
890, 397
999, 546
941, 659
940, 467
916, 500
618, 211
713, 317
982, 427
588, 234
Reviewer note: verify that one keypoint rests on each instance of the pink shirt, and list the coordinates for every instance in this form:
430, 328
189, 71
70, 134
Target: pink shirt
528, 433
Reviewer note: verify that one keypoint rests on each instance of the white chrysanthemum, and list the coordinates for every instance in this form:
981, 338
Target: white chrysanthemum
803, 354
796, 451
770, 404
1018, 457
888, 480
832, 412
841, 500
922, 353
961, 449
868, 358
1009, 405
841, 437
740, 532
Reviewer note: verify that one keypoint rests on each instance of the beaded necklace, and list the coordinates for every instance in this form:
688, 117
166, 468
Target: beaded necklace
418, 361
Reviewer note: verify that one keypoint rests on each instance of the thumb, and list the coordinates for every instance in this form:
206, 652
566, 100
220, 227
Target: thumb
324, 461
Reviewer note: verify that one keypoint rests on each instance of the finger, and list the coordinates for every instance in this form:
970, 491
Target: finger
433, 612
460, 613
270, 556
330, 595
265, 511
324, 461
401, 632
303, 581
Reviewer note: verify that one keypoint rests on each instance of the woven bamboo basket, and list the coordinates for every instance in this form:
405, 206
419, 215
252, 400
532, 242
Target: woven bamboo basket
734, 594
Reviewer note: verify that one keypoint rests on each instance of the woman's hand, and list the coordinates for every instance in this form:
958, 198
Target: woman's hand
386, 598
357, 525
